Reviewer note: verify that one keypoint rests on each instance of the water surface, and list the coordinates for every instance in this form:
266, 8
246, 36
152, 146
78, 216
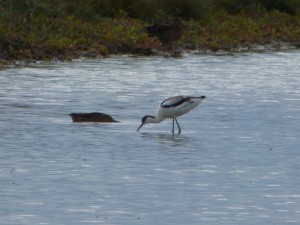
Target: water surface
237, 160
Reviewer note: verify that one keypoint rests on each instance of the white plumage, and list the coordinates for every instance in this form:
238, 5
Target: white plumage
172, 108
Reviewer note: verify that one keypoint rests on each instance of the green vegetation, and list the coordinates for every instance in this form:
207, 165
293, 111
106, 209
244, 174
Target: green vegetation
241, 31
55, 29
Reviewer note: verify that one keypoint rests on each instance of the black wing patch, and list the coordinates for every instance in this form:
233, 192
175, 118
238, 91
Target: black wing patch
181, 101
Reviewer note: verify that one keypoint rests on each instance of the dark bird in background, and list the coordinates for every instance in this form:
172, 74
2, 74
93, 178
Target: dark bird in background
166, 33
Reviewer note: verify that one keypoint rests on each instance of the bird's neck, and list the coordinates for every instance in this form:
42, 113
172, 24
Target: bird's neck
155, 119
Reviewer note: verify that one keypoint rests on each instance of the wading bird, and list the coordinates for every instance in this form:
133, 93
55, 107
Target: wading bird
166, 33
172, 108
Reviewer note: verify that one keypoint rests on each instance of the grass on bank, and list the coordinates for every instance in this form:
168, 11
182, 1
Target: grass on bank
234, 32
48, 29
145, 10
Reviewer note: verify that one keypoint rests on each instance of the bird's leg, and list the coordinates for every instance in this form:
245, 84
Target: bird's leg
179, 129
173, 126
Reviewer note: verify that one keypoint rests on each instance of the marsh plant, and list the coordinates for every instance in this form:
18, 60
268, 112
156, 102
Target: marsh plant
47, 29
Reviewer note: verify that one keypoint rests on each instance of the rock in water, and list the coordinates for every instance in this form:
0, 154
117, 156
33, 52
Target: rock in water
92, 117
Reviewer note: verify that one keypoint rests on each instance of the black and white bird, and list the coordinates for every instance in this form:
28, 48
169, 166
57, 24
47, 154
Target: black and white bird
173, 107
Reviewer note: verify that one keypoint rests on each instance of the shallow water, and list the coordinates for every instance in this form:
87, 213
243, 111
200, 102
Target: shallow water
237, 160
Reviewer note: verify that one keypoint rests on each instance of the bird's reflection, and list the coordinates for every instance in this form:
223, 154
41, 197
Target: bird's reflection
167, 138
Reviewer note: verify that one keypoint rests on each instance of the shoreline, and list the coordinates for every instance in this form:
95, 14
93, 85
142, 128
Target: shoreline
65, 39
179, 52
43, 30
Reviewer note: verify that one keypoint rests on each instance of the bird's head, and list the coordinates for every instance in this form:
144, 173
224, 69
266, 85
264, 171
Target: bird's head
145, 120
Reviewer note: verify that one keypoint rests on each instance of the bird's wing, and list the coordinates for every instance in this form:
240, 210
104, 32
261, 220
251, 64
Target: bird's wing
172, 102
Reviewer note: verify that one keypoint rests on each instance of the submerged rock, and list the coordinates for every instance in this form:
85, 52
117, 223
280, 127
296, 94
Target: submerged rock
92, 117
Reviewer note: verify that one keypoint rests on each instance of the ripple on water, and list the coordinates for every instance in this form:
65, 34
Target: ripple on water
235, 162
